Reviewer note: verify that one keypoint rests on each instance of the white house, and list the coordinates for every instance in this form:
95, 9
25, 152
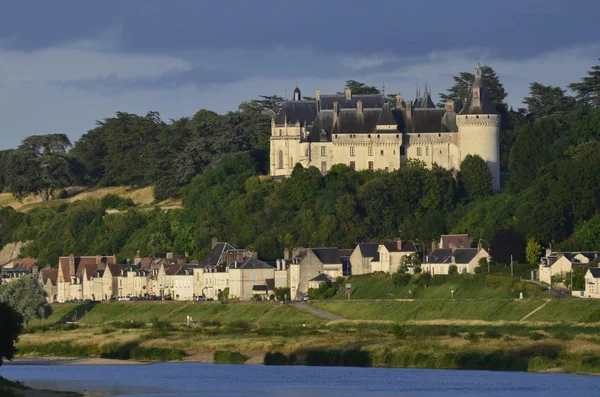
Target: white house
465, 260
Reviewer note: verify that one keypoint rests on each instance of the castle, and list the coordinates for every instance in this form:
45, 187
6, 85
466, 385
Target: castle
364, 132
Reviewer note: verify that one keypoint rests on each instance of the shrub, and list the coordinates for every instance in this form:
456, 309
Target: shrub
452, 270
536, 335
229, 357
399, 332
240, 325
472, 337
276, 358
492, 334
157, 354
401, 279
161, 324
344, 358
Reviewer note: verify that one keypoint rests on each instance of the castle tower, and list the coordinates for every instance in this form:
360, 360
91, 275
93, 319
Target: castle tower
297, 94
479, 127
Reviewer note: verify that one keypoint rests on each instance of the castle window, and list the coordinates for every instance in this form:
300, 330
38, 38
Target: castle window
370, 150
394, 152
371, 165
440, 135
323, 151
323, 167
351, 150
369, 135
426, 150
419, 151
280, 132
352, 165
382, 152
280, 160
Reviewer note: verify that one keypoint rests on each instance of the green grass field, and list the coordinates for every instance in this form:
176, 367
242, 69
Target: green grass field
569, 310
422, 310
381, 287
177, 312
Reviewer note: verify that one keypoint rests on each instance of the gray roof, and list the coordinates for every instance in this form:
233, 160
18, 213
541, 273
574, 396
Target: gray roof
428, 120
323, 123
214, 256
595, 272
486, 106
368, 101
444, 255
449, 122
424, 102
368, 250
386, 117
352, 122
321, 277
253, 263
328, 256
405, 246
304, 112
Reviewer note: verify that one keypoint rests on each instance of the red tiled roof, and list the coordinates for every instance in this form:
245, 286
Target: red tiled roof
457, 240
89, 262
49, 274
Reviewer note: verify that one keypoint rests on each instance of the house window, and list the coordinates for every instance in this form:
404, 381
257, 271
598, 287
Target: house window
323, 151
371, 165
280, 132
323, 167
352, 165
382, 152
370, 150
280, 160
426, 150
419, 151
351, 150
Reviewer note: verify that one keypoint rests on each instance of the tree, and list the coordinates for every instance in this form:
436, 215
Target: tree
452, 270
588, 90
41, 166
533, 250
546, 100
408, 261
464, 80
358, 88
10, 328
507, 244
271, 103
26, 295
475, 177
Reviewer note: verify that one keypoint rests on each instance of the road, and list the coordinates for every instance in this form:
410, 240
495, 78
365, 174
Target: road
316, 312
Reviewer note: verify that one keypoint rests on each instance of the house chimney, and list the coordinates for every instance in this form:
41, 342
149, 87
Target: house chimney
137, 260
286, 253
348, 93
450, 105
479, 245
214, 242
476, 99
452, 246
71, 265
278, 264
318, 95
169, 255
335, 113
359, 107
98, 259
398, 101
239, 256
408, 110
433, 245
399, 244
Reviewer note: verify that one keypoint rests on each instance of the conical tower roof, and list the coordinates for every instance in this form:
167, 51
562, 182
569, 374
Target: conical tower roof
483, 104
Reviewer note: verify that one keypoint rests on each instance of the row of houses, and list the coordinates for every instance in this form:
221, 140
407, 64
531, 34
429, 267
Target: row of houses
238, 273
558, 264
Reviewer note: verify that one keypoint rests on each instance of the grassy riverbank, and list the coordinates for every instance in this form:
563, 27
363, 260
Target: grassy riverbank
460, 334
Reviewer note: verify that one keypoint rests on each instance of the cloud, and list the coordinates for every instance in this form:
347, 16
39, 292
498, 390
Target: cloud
65, 88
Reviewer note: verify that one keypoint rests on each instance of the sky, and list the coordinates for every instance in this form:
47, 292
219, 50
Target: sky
66, 64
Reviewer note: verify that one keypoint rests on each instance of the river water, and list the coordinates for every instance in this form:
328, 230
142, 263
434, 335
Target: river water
187, 379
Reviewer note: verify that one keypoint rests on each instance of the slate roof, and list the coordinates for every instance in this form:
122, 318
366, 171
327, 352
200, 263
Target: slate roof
369, 101
321, 277
486, 105
214, 256
253, 263
323, 123
427, 120
449, 122
459, 240
405, 246
368, 250
304, 112
328, 256
424, 102
352, 122
115, 269
386, 117
595, 272
444, 255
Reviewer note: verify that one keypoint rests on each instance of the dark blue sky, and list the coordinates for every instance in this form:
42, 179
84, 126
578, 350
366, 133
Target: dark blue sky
65, 64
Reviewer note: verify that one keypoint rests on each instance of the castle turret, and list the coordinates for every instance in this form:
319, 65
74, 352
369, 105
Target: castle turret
479, 127
297, 94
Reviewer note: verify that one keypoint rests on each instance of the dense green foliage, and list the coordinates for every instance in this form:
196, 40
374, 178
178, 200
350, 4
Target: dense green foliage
10, 328
26, 295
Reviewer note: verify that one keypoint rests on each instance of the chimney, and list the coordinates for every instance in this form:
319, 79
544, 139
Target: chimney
318, 95
398, 101
359, 107
398, 244
71, 265
348, 93
278, 266
98, 259
286, 253
548, 251
479, 246
169, 255
214, 242
239, 256
450, 105
137, 260
476, 99
408, 110
335, 113
433, 245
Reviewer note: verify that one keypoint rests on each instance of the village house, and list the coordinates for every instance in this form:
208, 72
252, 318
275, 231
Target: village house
390, 253
17, 268
466, 260
361, 257
592, 282
71, 275
560, 263
48, 277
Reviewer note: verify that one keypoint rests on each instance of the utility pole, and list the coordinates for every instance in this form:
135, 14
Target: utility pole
511, 266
